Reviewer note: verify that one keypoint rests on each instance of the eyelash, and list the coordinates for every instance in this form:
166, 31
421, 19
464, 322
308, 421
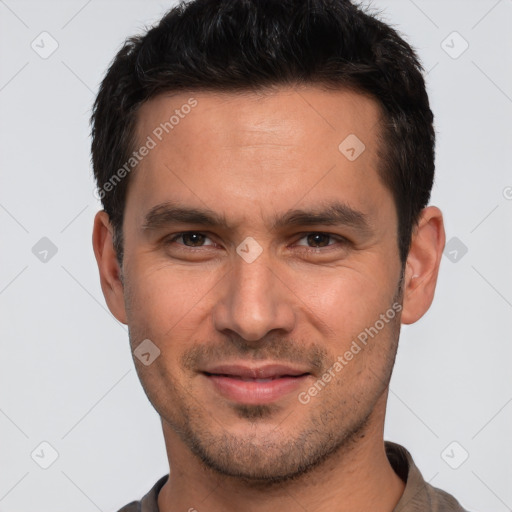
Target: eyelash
172, 239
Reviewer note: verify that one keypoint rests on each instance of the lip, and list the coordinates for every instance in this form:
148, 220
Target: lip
266, 371
255, 384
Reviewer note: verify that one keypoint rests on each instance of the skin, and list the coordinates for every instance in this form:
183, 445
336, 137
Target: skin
252, 157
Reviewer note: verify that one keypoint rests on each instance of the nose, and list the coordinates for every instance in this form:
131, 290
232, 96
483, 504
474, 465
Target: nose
255, 300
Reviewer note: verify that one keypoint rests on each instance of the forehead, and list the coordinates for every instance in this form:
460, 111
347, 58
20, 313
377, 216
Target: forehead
283, 144
255, 117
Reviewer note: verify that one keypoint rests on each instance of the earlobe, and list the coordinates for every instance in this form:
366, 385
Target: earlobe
108, 266
422, 266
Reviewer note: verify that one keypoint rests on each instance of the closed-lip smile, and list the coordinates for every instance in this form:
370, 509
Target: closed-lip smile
255, 384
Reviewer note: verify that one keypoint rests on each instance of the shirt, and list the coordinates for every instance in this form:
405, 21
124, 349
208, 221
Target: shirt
418, 496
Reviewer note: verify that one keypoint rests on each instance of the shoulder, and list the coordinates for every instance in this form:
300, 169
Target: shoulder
418, 495
134, 506
441, 501
149, 503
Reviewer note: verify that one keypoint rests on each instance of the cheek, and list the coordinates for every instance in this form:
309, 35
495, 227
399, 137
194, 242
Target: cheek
346, 300
164, 298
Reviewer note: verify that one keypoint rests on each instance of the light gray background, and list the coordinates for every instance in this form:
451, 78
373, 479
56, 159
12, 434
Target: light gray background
66, 373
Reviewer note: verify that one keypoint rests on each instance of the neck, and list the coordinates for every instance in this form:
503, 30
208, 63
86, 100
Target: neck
357, 477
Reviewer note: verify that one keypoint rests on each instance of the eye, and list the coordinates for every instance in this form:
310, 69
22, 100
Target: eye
191, 239
319, 240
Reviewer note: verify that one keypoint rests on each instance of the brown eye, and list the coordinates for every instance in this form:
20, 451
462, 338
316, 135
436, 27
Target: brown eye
319, 240
191, 239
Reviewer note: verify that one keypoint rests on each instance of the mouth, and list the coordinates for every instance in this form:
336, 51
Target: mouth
255, 385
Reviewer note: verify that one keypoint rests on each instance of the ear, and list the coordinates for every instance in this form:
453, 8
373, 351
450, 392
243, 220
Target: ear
108, 266
422, 266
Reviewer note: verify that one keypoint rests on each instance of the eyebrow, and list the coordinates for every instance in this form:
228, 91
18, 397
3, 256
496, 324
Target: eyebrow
331, 214
167, 213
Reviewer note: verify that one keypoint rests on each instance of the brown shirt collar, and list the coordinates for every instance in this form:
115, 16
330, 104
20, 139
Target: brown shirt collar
418, 496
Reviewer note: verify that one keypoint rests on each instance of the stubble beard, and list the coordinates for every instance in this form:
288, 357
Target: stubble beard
270, 458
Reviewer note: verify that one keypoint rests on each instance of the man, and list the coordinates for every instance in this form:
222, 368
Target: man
265, 169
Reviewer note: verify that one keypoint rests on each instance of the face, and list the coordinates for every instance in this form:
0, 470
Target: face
263, 263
